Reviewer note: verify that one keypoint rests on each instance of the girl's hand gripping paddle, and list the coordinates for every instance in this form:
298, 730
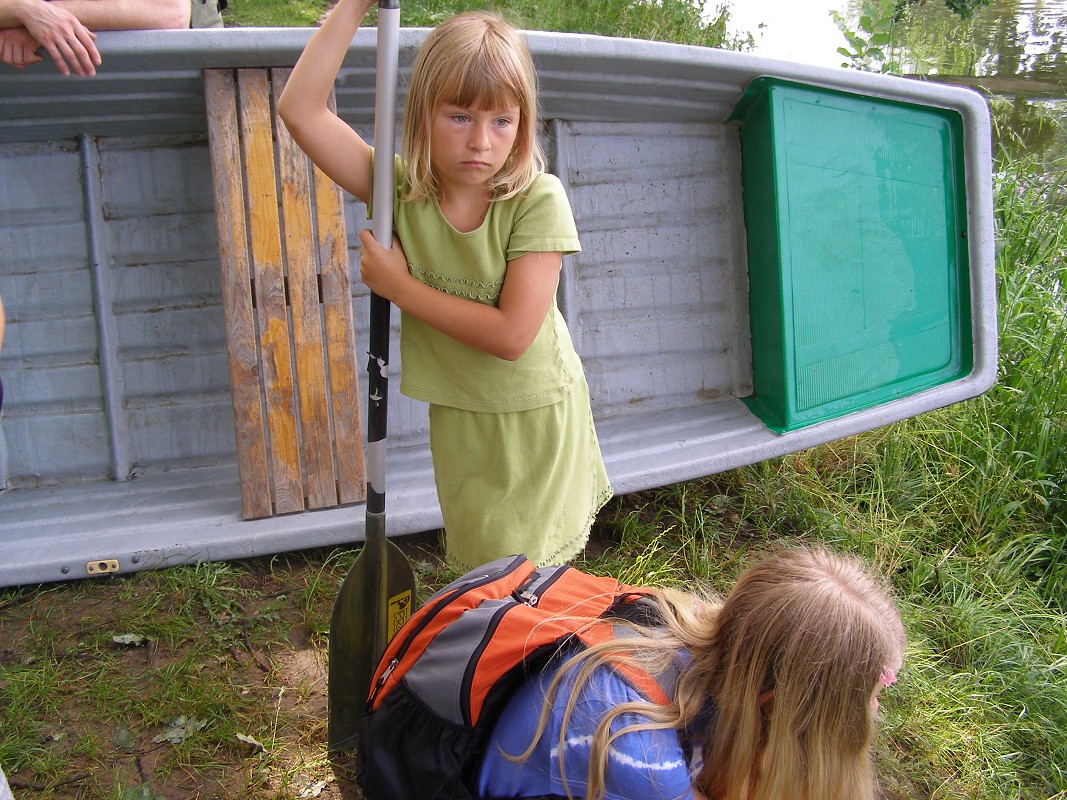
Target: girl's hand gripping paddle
377, 594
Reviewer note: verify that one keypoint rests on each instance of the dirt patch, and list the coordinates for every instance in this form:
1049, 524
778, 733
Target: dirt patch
205, 682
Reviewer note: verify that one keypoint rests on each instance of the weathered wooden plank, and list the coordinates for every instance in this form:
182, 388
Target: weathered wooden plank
305, 308
270, 290
249, 429
298, 285
332, 241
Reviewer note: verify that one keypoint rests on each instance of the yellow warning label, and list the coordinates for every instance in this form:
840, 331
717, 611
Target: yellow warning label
399, 611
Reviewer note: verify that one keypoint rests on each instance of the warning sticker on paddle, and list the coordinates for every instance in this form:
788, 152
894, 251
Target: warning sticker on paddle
399, 611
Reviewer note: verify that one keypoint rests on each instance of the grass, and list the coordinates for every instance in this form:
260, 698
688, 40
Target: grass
274, 13
207, 681
685, 21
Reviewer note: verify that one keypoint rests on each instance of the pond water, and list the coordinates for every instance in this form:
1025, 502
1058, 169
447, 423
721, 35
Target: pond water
1007, 37
1014, 49
1023, 37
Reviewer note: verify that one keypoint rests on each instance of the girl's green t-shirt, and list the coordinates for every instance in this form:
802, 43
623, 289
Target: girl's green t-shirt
438, 369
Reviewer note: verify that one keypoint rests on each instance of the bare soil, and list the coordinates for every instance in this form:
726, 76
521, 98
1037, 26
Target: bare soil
101, 732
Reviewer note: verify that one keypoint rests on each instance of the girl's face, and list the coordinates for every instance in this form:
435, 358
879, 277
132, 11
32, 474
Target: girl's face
468, 146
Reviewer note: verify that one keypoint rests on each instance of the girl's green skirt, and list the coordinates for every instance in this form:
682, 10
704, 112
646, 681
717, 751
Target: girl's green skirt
519, 482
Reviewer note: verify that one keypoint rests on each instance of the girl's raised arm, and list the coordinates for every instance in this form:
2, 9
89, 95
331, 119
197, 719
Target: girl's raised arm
328, 140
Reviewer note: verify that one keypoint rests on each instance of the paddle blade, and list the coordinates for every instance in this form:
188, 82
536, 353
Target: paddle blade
375, 600
399, 595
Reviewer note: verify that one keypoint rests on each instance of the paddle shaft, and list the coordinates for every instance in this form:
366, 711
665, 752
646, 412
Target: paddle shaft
382, 228
378, 361
377, 594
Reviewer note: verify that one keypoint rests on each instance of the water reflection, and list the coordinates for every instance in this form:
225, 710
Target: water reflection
1008, 38
1014, 50
1022, 38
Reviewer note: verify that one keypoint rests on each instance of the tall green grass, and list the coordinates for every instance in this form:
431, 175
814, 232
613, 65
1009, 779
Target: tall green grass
696, 22
1025, 527
685, 21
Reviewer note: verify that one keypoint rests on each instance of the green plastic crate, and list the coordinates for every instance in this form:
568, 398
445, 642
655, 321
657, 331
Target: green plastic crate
855, 210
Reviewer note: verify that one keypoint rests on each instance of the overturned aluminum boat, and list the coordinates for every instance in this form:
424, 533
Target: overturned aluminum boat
118, 422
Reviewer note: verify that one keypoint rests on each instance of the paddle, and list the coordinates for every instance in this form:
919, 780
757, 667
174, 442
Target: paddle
379, 590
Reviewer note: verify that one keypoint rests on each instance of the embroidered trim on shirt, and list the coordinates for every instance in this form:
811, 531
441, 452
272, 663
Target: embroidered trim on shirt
440, 281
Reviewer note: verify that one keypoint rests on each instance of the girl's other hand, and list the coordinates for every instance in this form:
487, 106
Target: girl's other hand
384, 271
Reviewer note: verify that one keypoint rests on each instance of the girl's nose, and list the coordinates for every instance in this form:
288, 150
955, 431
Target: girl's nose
480, 137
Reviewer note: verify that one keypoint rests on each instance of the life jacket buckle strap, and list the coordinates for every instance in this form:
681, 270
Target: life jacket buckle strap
525, 597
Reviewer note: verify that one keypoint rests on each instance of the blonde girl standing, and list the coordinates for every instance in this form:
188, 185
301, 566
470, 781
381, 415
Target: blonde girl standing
481, 234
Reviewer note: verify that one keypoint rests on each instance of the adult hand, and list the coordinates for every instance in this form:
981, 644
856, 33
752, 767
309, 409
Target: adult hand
17, 48
64, 37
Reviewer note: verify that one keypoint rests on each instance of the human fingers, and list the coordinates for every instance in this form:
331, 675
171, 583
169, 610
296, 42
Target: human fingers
7, 55
87, 39
59, 57
382, 270
73, 55
70, 44
373, 261
368, 244
368, 250
18, 48
7, 58
392, 257
84, 50
29, 56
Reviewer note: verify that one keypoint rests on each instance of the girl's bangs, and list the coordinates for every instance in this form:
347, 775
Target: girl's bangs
484, 83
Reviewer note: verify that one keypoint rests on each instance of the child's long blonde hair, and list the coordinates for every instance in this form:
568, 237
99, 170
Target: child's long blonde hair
791, 660
477, 60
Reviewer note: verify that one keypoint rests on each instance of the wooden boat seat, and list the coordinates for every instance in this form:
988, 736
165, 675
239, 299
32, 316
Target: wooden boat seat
287, 305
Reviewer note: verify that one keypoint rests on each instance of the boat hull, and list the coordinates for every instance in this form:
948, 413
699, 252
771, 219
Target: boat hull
118, 423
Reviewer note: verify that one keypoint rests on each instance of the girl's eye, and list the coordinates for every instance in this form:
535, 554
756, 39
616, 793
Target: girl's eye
503, 122
460, 118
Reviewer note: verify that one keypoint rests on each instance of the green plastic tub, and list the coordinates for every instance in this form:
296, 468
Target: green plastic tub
855, 210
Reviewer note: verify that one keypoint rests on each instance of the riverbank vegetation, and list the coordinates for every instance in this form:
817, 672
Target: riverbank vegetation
682, 21
207, 681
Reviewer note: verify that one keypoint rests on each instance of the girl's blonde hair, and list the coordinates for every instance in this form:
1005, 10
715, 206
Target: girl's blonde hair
791, 660
476, 60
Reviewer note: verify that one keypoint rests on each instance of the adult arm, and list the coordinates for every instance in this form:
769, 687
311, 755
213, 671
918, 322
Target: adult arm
68, 41
327, 139
100, 15
127, 15
506, 330
65, 28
